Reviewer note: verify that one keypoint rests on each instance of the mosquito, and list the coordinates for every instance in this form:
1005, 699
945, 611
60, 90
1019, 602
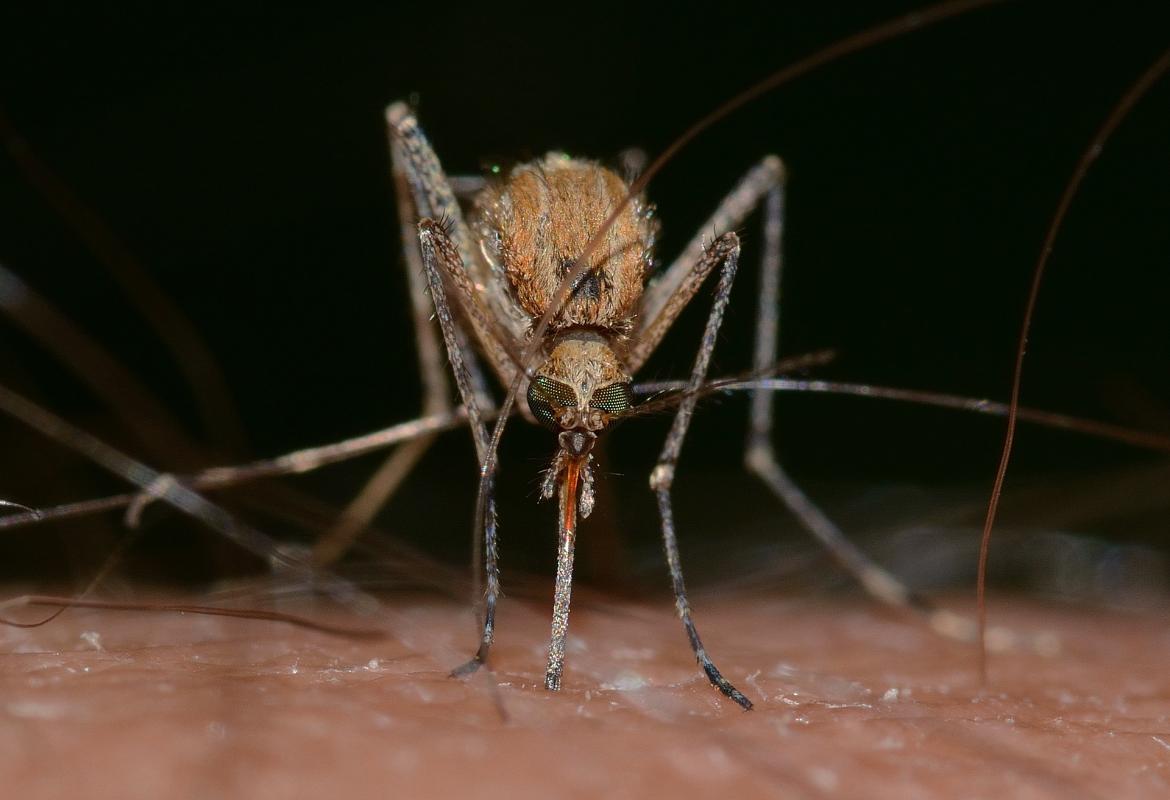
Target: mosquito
548, 276
494, 273
551, 275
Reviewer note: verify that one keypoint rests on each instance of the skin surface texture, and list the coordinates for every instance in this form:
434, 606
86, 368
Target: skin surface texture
850, 701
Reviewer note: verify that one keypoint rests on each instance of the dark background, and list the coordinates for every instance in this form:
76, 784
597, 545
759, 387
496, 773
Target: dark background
238, 155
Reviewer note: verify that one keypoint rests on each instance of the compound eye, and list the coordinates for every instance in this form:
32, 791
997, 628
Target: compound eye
617, 398
548, 398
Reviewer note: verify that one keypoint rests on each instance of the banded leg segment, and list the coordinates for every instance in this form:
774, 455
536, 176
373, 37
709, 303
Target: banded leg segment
445, 249
440, 257
668, 294
724, 252
377, 491
434, 199
760, 453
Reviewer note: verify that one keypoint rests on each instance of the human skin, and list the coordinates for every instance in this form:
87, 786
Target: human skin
850, 701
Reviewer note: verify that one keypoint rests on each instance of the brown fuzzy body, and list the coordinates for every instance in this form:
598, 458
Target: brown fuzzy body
534, 225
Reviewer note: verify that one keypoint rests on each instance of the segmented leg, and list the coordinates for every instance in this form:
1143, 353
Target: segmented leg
297, 462
440, 258
378, 490
446, 255
165, 488
760, 454
479, 293
668, 294
723, 251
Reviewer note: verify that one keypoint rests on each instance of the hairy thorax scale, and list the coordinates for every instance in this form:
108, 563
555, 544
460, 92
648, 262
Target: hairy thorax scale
532, 227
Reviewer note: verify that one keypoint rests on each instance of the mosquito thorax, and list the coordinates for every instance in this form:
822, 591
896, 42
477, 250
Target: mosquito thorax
534, 223
581, 386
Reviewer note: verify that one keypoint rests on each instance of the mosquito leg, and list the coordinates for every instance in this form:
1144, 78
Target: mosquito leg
385, 481
434, 199
492, 593
723, 251
295, 463
447, 274
760, 454
164, 488
668, 294
440, 257
378, 490
435, 385
369, 501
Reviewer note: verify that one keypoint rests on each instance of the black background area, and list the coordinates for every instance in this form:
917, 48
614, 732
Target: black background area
240, 155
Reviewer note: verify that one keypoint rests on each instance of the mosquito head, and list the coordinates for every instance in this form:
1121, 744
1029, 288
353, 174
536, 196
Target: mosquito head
579, 389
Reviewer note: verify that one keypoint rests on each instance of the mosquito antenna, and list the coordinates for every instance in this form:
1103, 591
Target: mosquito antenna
850, 44
974, 405
668, 394
1090, 154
